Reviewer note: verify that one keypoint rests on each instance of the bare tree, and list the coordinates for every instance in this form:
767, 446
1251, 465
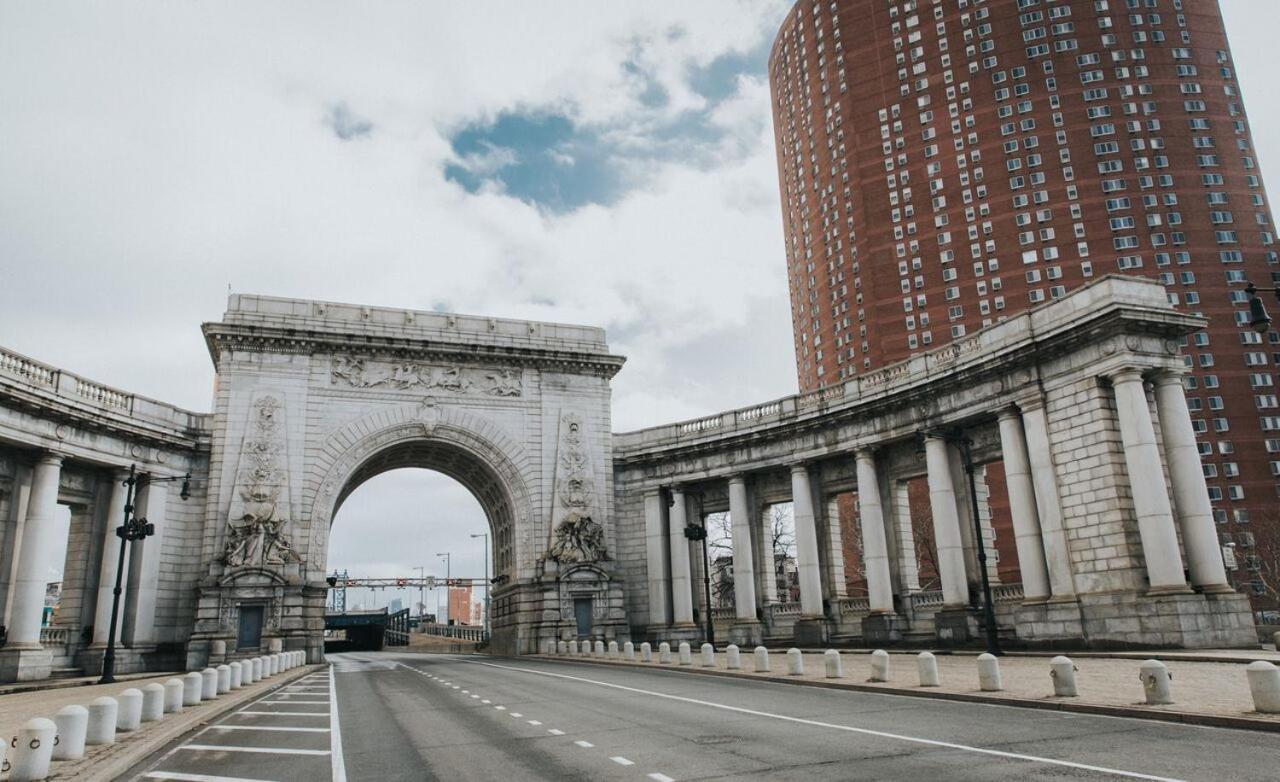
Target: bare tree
922, 533
1258, 551
720, 550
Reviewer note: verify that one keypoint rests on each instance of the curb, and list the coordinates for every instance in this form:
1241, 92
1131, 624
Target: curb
133, 748
1133, 712
79, 681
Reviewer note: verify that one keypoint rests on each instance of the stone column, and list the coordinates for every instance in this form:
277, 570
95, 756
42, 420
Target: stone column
744, 576
767, 558
109, 558
1190, 495
144, 567
681, 577
655, 536
946, 524
23, 658
1022, 507
875, 548
1146, 482
1053, 534
809, 570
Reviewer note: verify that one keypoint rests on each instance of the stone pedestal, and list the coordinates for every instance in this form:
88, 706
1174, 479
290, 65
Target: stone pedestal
681, 632
127, 660
746, 634
1049, 623
882, 629
1175, 621
954, 626
24, 665
812, 632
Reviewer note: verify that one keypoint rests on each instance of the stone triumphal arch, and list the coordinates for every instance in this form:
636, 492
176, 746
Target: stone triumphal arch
1078, 404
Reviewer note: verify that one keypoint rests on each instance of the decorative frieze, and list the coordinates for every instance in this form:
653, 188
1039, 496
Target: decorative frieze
357, 372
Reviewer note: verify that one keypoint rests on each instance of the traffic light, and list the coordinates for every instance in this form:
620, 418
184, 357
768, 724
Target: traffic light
695, 532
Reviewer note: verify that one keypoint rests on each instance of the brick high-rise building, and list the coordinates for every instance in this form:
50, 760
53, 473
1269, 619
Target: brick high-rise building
945, 163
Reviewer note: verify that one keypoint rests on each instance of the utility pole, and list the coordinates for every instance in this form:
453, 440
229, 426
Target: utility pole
447, 577
422, 575
485, 535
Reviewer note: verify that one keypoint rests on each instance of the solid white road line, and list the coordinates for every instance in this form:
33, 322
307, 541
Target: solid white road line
180, 777
258, 750
847, 728
286, 713
297, 703
337, 763
277, 728
621, 761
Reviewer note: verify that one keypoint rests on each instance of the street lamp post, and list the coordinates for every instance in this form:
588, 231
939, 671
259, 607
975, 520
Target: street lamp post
132, 529
447, 576
485, 535
699, 532
422, 576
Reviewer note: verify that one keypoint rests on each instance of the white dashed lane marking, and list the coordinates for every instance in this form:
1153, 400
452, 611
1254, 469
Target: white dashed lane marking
621, 761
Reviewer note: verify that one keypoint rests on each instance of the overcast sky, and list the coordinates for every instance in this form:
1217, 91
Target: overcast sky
603, 162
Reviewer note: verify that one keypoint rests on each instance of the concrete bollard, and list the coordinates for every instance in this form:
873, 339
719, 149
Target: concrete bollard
613, 650
989, 673
599, 649
173, 696
1264, 685
795, 662
708, 656
629, 651
102, 721
1157, 682
32, 750
1063, 673
664, 653
761, 659
733, 657
562, 648
224, 678
257, 668
835, 666
153, 702
1275, 639
686, 653
646, 652
927, 668
73, 725
585, 648
129, 716
237, 675
275, 664
192, 688
208, 684
879, 666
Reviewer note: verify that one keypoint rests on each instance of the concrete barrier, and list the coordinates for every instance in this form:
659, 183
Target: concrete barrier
664, 653
73, 726
927, 669
1157, 682
32, 750
733, 657
834, 665
686, 653
708, 656
879, 666
209, 684
646, 652
102, 721
989, 673
761, 660
1063, 673
237, 675
795, 662
173, 695
224, 678
152, 702
129, 715
1264, 685
192, 689
629, 651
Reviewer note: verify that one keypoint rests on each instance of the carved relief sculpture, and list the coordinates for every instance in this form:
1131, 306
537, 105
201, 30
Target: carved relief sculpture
577, 537
256, 533
362, 373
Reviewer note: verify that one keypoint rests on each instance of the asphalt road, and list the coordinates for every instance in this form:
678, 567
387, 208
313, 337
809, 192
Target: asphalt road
428, 717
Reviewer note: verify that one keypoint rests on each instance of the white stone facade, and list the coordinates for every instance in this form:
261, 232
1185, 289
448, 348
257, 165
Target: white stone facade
1114, 536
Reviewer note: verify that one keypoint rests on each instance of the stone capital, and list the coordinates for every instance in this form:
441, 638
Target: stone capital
1125, 375
50, 458
738, 477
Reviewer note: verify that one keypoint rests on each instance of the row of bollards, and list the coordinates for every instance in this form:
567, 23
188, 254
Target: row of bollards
29, 755
1156, 679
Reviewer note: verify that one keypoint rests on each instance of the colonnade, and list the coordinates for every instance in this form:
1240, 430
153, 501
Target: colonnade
1163, 512
23, 656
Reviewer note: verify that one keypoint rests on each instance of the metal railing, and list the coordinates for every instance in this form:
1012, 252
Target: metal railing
461, 632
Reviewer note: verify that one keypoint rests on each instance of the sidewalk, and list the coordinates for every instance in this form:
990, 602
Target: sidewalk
1203, 692
105, 762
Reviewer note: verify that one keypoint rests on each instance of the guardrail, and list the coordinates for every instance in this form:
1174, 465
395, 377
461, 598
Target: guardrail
461, 632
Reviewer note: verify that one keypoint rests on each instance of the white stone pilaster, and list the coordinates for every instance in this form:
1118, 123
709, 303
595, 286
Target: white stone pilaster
1053, 534
744, 577
144, 566
35, 558
1146, 483
1022, 507
656, 544
808, 567
946, 524
875, 547
1190, 494
681, 573
110, 557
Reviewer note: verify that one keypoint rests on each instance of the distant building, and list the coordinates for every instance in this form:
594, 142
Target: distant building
460, 605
